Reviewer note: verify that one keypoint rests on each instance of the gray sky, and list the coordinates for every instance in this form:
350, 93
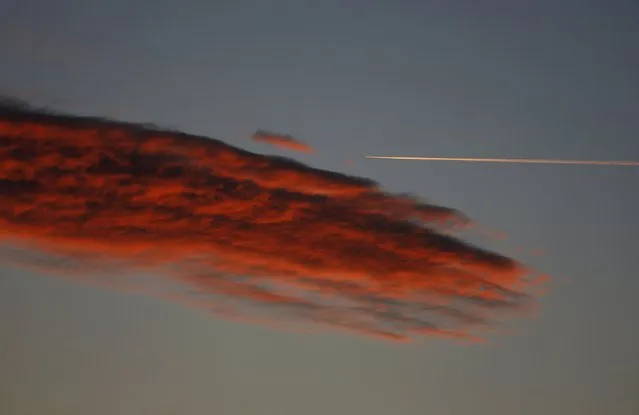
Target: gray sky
431, 78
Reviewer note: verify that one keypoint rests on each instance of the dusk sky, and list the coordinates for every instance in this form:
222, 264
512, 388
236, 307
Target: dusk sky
467, 78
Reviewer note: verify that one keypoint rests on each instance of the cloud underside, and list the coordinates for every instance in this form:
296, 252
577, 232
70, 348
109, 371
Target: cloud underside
242, 234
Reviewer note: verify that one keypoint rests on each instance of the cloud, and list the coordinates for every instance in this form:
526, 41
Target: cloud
282, 141
241, 234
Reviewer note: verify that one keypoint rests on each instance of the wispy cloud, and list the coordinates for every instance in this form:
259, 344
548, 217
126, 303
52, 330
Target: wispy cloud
242, 234
282, 141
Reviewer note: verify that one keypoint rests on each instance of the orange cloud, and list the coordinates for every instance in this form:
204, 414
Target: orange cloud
240, 233
282, 141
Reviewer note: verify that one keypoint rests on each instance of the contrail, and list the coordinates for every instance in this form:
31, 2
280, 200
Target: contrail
513, 160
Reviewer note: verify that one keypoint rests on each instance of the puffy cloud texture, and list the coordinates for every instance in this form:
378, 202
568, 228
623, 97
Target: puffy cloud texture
242, 234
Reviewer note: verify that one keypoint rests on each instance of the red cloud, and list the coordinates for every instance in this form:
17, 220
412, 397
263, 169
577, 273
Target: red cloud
282, 141
244, 231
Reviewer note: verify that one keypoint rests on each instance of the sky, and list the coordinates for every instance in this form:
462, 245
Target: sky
538, 79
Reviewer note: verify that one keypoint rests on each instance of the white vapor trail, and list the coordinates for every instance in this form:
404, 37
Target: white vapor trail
512, 160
